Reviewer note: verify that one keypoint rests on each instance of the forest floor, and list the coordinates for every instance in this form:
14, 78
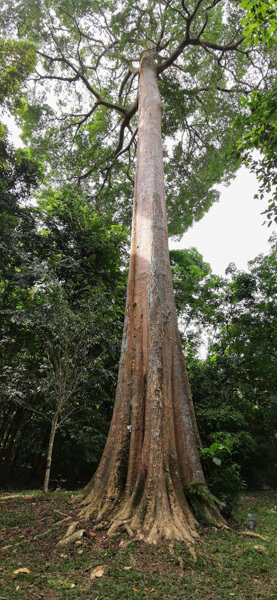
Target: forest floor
225, 565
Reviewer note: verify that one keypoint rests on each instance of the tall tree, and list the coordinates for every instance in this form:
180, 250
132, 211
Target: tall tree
196, 50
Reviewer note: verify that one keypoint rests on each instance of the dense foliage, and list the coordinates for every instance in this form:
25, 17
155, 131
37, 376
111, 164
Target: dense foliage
69, 72
62, 303
80, 110
234, 388
259, 121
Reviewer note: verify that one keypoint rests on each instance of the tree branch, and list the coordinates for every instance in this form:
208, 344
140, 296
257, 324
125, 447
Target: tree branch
124, 81
206, 17
80, 75
129, 145
126, 120
187, 41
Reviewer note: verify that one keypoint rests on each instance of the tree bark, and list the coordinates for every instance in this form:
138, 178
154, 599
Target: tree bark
151, 454
54, 425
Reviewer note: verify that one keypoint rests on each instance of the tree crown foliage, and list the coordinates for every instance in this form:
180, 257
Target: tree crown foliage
82, 104
259, 117
17, 62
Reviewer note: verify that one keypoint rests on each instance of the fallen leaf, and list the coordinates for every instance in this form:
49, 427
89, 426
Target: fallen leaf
152, 590
63, 555
22, 570
97, 572
127, 568
72, 585
80, 551
260, 549
135, 589
6, 547
92, 533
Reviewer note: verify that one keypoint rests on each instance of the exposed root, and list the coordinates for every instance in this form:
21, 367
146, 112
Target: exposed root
61, 512
97, 505
72, 528
39, 535
71, 539
254, 535
129, 530
192, 553
156, 517
153, 526
215, 517
72, 535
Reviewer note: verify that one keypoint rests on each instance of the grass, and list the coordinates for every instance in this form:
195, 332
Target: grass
227, 565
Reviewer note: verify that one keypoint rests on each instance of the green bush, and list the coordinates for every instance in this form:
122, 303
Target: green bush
222, 474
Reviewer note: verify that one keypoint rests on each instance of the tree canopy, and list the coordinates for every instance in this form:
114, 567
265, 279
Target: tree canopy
259, 123
81, 109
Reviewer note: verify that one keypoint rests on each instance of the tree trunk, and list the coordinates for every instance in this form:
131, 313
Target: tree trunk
50, 446
151, 454
10, 437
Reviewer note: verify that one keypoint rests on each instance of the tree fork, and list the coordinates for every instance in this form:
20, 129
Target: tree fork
151, 454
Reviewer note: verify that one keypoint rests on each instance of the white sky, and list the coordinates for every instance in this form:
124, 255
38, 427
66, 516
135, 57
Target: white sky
232, 230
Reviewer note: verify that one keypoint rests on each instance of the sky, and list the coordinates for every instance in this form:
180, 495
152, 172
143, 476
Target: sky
232, 230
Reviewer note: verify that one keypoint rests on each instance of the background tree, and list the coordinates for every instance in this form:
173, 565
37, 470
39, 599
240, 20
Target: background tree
198, 296
240, 366
61, 272
259, 122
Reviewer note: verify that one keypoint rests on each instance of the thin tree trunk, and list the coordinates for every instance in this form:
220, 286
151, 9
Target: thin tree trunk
10, 437
151, 454
6, 417
38, 460
50, 446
